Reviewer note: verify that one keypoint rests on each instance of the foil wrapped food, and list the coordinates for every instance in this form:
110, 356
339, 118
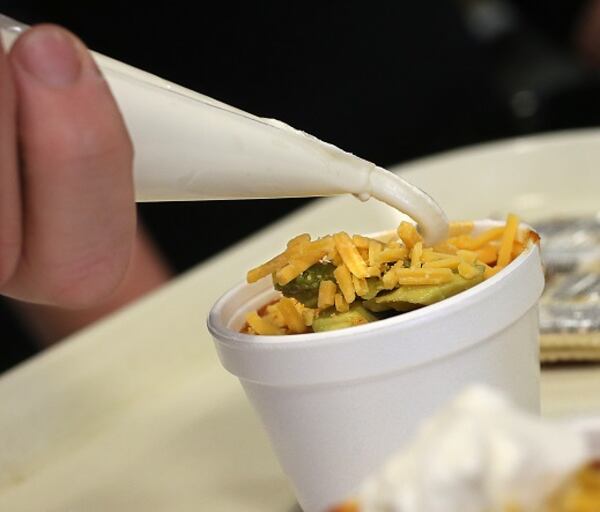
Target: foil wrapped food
570, 306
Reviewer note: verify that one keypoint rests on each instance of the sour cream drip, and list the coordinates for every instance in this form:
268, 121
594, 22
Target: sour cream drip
191, 147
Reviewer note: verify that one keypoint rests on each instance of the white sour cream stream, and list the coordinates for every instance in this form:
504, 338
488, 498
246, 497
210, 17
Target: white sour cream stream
191, 147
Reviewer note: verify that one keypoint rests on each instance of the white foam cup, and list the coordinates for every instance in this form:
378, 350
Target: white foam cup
337, 404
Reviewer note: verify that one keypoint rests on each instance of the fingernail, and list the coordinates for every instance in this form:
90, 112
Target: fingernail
50, 54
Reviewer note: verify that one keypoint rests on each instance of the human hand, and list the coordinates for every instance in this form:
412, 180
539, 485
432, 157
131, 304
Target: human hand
67, 211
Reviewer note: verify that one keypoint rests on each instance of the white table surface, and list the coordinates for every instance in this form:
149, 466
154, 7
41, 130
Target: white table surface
136, 414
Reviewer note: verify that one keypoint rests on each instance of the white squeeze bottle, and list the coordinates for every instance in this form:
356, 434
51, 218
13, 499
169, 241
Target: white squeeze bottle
191, 147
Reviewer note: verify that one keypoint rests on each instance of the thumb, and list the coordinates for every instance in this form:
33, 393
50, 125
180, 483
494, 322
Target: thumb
78, 203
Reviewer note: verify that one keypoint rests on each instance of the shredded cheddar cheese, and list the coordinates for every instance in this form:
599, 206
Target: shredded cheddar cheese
340, 303
419, 276
467, 270
344, 279
508, 239
487, 254
350, 255
298, 240
292, 317
360, 286
448, 262
326, 297
389, 255
361, 268
375, 249
408, 234
361, 242
415, 255
262, 326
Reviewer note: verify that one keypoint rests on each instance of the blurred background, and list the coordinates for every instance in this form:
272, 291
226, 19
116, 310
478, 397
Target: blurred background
390, 82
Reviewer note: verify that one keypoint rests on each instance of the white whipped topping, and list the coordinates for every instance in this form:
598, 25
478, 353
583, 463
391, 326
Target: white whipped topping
479, 454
